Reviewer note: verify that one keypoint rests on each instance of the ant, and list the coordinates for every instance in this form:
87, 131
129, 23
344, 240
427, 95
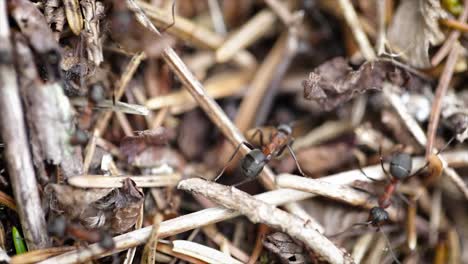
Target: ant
401, 165
253, 162
60, 228
400, 168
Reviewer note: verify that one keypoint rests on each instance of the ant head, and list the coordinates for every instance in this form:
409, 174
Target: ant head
253, 163
285, 129
378, 216
56, 227
401, 165
107, 241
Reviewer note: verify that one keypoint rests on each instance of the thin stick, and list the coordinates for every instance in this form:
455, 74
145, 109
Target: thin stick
250, 32
101, 124
17, 155
453, 37
353, 22
218, 214
144, 181
417, 132
441, 90
261, 212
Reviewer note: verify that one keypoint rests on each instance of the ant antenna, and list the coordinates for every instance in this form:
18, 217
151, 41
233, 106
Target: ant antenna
350, 228
389, 246
389, 178
173, 18
295, 159
232, 157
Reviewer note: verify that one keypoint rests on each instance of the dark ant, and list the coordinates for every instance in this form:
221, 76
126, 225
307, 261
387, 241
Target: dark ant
401, 165
60, 228
253, 162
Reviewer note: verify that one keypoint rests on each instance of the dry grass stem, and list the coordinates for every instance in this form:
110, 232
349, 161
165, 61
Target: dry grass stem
250, 32
126, 77
17, 155
202, 252
419, 135
218, 238
144, 181
281, 11
261, 212
90, 149
39, 255
273, 68
451, 40
352, 19
328, 130
441, 91
221, 85
218, 214
186, 30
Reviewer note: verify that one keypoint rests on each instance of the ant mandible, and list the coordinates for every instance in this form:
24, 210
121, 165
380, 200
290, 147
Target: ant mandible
253, 162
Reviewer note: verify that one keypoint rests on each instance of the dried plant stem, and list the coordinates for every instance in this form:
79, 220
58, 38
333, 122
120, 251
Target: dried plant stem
441, 90
213, 215
261, 212
39, 255
211, 108
324, 132
452, 38
273, 68
418, 133
17, 155
144, 181
219, 239
186, 30
90, 148
221, 85
353, 22
261, 233
337, 192
281, 11
250, 32
101, 124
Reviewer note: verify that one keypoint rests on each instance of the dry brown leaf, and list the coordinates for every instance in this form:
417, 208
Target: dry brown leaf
414, 27
133, 145
288, 250
335, 82
115, 210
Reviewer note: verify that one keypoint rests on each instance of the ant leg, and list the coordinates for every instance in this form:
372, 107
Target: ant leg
382, 165
243, 182
260, 133
427, 162
295, 158
389, 246
232, 157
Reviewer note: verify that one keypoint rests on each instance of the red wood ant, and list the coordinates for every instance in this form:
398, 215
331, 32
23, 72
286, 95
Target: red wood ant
60, 228
253, 162
400, 167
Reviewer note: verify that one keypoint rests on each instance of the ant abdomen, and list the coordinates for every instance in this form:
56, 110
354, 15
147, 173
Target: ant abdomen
401, 165
253, 163
106, 241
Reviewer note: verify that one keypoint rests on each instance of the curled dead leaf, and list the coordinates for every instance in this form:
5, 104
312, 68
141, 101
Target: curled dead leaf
414, 28
335, 82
